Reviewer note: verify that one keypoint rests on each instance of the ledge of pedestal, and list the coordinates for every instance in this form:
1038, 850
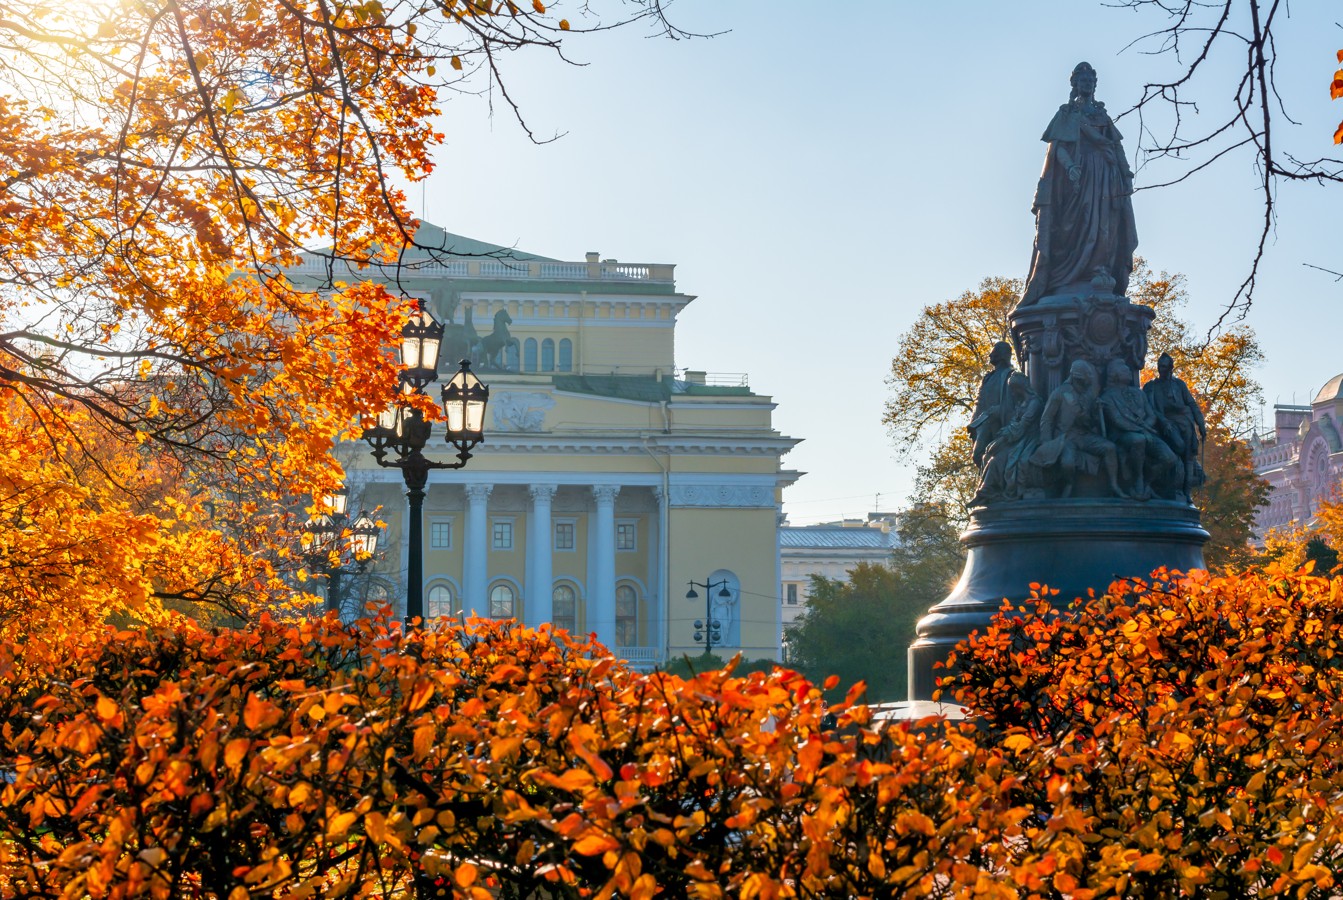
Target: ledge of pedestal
1073, 545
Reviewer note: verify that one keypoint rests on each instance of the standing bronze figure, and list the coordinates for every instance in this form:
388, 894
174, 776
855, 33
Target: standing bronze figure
1084, 231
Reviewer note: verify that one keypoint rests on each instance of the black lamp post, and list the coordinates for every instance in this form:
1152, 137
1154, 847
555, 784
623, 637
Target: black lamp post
709, 631
402, 430
330, 535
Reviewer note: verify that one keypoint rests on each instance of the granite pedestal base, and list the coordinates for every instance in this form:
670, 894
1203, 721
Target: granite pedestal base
1069, 544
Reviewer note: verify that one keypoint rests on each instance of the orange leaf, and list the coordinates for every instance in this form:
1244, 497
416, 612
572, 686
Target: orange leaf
1338, 135
235, 750
594, 842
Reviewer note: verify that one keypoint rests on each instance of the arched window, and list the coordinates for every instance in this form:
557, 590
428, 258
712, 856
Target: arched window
511, 357
439, 602
501, 602
627, 616
529, 355
547, 355
566, 355
564, 608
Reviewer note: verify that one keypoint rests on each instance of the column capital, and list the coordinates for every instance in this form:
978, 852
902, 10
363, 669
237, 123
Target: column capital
478, 491
605, 493
544, 492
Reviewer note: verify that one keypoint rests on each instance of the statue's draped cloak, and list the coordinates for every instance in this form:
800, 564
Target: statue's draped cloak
1085, 228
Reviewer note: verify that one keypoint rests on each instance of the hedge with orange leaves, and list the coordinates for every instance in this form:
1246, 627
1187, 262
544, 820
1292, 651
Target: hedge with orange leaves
1185, 738
1177, 739
317, 760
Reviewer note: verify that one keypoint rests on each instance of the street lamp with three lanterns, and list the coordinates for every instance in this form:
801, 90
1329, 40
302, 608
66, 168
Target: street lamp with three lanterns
709, 631
329, 536
403, 431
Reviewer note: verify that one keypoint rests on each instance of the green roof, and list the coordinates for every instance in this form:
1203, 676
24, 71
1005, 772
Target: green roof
431, 240
624, 387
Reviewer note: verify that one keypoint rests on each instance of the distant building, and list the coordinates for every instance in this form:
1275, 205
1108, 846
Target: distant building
608, 477
1301, 459
830, 550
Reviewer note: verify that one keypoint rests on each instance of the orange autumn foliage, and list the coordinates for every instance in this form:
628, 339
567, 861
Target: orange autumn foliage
1177, 738
316, 759
1182, 737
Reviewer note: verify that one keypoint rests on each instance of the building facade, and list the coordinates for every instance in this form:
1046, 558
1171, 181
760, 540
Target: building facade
1301, 459
608, 478
831, 550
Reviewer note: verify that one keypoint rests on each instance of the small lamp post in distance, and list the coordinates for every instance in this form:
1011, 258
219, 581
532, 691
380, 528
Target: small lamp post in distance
325, 537
709, 631
402, 430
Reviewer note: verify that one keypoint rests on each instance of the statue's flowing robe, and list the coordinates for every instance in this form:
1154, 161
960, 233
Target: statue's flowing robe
1087, 227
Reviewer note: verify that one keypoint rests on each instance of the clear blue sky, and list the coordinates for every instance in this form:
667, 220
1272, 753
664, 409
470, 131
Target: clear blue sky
818, 180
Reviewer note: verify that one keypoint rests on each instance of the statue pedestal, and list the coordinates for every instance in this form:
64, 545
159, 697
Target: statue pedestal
1071, 544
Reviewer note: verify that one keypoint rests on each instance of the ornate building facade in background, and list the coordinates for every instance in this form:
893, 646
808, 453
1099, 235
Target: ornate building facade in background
1301, 459
608, 477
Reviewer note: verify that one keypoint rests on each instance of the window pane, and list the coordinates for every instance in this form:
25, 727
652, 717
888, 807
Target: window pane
792, 595
440, 535
529, 355
547, 355
626, 536
502, 536
627, 622
564, 536
439, 602
566, 355
565, 608
501, 602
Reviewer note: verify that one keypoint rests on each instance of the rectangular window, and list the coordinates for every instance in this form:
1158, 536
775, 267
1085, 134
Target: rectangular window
440, 535
564, 535
791, 595
502, 536
626, 536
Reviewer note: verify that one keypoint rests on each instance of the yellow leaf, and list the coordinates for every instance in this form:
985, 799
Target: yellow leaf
1149, 862
464, 875
340, 824
564, 24
1018, 743
457, 63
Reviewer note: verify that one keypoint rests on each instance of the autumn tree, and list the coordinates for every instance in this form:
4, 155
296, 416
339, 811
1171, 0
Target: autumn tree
940, 360
858, 629
164, 166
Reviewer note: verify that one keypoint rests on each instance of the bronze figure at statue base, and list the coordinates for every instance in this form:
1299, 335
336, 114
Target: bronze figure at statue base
1085, 476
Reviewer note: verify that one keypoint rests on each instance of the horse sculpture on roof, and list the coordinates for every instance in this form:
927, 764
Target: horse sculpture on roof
491, 350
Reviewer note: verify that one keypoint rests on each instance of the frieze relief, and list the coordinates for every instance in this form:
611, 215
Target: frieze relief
721, 495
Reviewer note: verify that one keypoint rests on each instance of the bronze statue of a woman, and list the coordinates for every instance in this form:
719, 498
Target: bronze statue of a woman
1084, 231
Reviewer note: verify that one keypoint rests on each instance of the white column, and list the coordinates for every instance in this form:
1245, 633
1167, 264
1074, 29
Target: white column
475, 551
537, 590
660, 603
602, 578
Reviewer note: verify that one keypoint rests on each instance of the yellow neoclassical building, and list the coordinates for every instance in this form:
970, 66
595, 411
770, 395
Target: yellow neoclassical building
609, 477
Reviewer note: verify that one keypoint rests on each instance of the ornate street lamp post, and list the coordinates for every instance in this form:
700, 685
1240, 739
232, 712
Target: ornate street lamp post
709, 631
330, 535
402, 430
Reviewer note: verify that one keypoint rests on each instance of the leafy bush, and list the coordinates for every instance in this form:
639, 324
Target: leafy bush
1180, 737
